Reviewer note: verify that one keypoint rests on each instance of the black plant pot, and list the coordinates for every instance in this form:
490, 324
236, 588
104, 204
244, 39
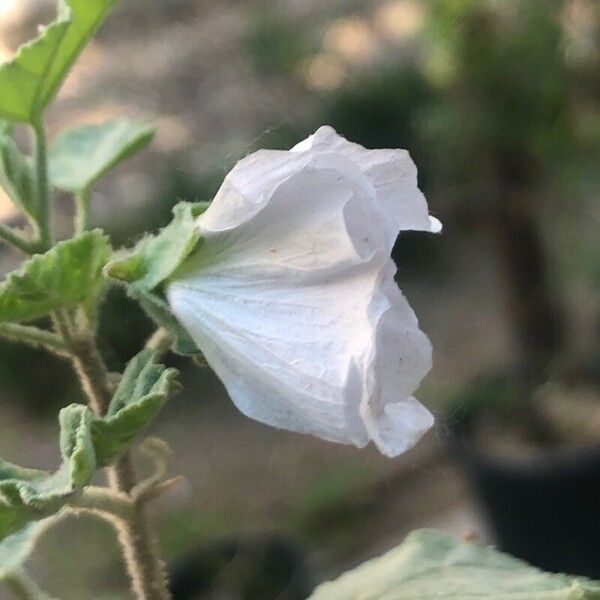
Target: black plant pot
545, 510
261, 567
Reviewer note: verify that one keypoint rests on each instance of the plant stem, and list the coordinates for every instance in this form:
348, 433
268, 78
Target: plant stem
140, 549
82, 211
10, 236
34, 337
23, 587
43, 191
146, 569
106, 503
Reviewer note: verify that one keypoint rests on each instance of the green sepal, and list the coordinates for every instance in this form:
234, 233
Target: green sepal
432, 564
156, 257
31, 79
79, 157
158, 310
17, 176
68, 275
144, 389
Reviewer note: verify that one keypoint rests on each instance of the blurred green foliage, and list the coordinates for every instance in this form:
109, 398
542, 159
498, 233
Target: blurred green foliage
274, 46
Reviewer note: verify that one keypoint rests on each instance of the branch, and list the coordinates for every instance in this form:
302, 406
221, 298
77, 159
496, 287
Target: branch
15, 239
34, 337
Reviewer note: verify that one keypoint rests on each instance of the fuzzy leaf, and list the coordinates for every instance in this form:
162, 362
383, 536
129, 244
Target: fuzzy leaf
68, 275
431, 564
16, 548
76, 443
155, 258
27, 495
17, 176
30, 495
144, 388
31, 79
81, 156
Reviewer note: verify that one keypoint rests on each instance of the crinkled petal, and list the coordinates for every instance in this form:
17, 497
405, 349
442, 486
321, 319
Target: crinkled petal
401, 358
393, 175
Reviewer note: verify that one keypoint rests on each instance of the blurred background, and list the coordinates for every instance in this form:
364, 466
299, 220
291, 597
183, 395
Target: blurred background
497, 102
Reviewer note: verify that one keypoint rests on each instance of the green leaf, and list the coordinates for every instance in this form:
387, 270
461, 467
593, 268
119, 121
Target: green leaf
81, 156
68, 275
17, 175
16, 548
431, 564
155, 258
31, 79
76, 443
144, 388
28, 495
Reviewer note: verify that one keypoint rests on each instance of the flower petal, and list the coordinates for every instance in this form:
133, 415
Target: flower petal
284, 298
393, 175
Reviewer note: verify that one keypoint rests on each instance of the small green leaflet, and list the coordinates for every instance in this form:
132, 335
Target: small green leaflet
68, 275
431, 564
28, 495
17, 176
144, 389
79, 157
29, 82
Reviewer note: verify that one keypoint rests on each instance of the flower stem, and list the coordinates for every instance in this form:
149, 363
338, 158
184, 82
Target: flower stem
140, 549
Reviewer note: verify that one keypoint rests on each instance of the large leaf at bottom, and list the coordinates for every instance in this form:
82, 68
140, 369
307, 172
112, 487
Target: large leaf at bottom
68, 275
31, 79
81, 156
431, 564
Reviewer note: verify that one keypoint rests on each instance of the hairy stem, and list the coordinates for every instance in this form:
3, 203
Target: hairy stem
140, 549
43, 190
82, 211
23, 587
15, 239
34, 337
106, 503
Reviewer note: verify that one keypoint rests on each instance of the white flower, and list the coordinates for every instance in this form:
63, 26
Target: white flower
291, 294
